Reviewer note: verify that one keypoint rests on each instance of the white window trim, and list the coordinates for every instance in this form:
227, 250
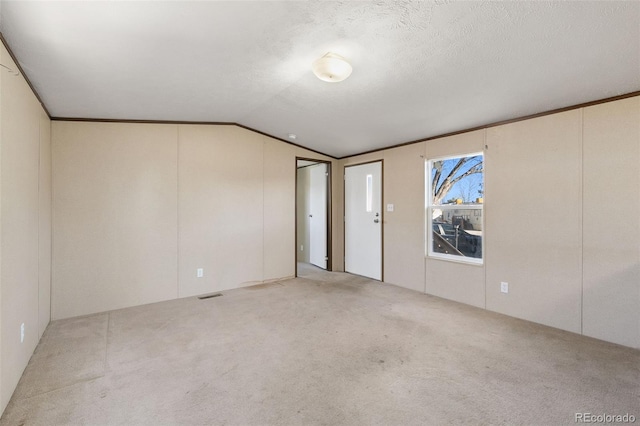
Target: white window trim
429, 215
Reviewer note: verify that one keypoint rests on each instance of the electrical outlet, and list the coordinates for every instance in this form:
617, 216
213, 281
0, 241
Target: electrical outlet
22, 333
504, 287
199, 273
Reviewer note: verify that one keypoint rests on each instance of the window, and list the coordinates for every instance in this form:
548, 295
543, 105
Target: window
455, 190
369, 193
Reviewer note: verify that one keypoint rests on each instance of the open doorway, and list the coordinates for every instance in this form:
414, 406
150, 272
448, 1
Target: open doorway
313, 214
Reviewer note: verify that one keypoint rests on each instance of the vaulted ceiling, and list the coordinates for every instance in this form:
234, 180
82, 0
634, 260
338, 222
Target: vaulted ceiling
420, 69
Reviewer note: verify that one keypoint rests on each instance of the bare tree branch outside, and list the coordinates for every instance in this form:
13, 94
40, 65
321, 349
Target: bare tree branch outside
447, 173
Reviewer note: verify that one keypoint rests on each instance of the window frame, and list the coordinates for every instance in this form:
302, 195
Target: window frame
429, 207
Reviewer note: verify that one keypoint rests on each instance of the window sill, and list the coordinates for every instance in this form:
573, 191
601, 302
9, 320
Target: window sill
452, 259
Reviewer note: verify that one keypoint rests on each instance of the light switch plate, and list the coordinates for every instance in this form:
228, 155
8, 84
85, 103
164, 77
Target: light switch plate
504, 287
389, 207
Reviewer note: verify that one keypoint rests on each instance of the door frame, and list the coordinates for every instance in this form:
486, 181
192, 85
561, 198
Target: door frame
329, 221
344, 214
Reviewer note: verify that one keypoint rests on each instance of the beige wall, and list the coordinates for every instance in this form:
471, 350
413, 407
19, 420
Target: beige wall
114, 216
3, 400
611, 250
279, 209
221, 208
533, 221
25, 224
44, 236
548, 181
138, 208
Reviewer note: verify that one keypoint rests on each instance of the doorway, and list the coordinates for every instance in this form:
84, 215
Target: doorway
363, 219
313, 214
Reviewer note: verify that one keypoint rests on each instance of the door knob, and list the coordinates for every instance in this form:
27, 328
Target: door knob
376, 220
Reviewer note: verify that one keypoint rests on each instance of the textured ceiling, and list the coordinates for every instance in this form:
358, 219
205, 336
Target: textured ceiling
420, 68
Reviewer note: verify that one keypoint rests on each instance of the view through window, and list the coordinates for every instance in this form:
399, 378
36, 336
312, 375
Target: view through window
455, 195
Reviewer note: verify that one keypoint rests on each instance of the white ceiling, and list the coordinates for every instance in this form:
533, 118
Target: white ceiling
420, 68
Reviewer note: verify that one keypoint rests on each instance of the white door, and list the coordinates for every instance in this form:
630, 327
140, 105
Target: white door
363, 219
318, 215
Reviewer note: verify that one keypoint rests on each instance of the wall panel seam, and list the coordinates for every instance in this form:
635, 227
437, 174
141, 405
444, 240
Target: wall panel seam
582, 221
264, 210
177, 211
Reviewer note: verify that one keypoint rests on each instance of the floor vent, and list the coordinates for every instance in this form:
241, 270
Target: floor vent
209, 296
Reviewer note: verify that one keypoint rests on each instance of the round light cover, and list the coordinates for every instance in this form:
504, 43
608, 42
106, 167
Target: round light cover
332, 68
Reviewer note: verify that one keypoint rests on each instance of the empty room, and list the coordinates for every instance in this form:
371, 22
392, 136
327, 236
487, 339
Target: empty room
319, 212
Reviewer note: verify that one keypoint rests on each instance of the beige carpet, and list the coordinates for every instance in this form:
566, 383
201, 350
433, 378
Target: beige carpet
326, 348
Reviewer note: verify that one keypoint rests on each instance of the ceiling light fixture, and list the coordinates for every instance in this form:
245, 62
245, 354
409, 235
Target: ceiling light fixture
292, 136
332, 68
